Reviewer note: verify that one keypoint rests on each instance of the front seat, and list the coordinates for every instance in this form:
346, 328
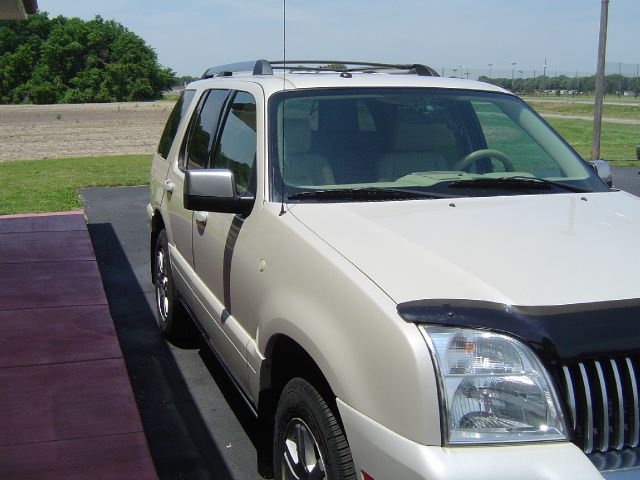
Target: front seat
303, 167
411, 151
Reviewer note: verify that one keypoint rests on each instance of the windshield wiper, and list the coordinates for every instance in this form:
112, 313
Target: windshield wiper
363, 193
517, 182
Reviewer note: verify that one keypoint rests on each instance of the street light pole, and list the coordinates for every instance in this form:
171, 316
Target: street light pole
490, 79
513, 76
602, 49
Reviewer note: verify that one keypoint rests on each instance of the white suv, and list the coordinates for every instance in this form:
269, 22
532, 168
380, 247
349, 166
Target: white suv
401, 274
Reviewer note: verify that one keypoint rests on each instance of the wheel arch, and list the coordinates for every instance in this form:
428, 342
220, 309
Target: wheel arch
285, 359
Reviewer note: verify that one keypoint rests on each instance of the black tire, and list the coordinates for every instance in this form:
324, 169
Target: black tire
303, 413
173, 320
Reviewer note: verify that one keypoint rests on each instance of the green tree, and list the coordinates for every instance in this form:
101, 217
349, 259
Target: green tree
70, 60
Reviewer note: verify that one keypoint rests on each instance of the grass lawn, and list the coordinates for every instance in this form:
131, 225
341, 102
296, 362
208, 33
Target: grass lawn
173, 97
586, 109
584, 98
50, 185
29, 186
617, 144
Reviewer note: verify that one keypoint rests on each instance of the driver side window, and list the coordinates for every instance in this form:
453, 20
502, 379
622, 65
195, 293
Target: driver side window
203, 130
236, 148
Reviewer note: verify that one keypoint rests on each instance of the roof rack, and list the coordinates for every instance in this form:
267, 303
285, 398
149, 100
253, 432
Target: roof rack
265, 67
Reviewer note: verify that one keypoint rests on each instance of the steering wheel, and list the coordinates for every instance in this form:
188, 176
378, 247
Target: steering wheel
485, 152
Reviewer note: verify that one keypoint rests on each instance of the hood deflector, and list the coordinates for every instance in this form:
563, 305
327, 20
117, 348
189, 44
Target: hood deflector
556, 332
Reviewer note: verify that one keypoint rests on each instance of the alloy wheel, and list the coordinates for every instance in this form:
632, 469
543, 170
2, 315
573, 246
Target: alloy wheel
162, 285
301, 456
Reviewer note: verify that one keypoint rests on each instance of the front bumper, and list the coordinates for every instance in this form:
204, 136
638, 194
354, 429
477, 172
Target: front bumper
385, 455
618, 465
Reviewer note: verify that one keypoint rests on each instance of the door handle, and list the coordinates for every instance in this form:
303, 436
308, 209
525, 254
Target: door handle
169, 186
200, 217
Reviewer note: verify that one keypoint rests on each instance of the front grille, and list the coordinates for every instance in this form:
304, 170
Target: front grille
603, 403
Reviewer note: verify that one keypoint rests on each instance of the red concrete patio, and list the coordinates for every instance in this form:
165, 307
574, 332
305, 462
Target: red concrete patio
67, 410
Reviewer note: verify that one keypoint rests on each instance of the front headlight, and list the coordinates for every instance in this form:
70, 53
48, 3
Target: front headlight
494, 389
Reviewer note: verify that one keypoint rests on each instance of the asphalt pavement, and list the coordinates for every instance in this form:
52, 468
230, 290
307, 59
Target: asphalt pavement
196, 423
627, 178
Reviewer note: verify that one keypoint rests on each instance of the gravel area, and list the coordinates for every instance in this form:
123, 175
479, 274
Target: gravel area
96, 129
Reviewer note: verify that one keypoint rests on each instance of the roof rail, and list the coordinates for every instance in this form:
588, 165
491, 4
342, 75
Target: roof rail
265, 67
349, 66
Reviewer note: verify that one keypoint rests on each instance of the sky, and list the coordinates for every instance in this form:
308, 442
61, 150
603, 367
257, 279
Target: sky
191, 35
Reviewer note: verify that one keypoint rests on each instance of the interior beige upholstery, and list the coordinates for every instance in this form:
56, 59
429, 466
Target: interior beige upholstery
303, 167
416, 147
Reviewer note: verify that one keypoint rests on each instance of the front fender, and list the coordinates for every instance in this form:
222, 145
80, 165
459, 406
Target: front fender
371, 358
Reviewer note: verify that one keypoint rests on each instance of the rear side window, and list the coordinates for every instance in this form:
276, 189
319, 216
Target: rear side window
203, 129
237, 148
173, 122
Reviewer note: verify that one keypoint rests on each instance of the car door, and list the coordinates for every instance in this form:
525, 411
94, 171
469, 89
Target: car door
194, 153
216, 236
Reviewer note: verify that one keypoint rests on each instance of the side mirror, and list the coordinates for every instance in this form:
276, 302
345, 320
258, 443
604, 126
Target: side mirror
603, 170
214, 190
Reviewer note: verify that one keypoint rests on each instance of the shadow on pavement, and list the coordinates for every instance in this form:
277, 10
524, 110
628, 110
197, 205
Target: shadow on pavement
179, 440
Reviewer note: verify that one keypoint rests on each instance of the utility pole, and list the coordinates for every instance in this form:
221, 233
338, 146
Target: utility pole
521, 81
602, 49
544, 68
619, 79
513, 76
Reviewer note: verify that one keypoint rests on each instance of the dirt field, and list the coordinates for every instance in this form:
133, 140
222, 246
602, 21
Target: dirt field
51, 131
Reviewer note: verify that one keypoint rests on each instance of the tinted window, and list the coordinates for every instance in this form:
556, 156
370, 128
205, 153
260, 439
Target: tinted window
503, 134
173, 122
422, 139
203, 130
237, 148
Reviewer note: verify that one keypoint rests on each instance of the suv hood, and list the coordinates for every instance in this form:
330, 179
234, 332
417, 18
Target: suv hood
552, 249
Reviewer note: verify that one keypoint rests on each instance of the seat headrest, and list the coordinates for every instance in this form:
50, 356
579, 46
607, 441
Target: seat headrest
297, 135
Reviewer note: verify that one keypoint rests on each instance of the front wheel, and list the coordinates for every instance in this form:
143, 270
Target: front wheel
172, 317
309, 442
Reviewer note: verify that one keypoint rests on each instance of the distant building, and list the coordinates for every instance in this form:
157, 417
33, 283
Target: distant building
17, 9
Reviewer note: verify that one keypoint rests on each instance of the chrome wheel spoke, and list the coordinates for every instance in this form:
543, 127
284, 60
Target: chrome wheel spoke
162, 285
318, 472
301, 444
302, 458
292, 461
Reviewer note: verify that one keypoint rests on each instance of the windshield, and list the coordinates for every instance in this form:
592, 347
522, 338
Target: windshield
432, 141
